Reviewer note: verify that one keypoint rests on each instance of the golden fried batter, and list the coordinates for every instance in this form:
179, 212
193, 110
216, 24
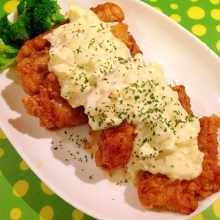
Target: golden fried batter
109, 12
183, 196
209, 180
183, 98
32, 70
116, 143
157, 190
52, 110
120, 31
115, 146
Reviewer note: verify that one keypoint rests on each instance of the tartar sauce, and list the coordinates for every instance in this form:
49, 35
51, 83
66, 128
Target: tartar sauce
96, 70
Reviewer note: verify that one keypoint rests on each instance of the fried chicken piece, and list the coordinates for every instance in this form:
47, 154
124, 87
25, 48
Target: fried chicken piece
36, 44
113, 151
183, 98
183, 196
115, 146
51, 108
209, 180
156, 190
45, 101
32, 63
32, 68
120, 31
109, 12
32, 46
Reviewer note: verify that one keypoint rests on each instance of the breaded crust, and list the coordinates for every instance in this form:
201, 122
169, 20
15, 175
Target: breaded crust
115, 146
52, 110
183, 196
157, 190
121, 138
44, 101
109, 12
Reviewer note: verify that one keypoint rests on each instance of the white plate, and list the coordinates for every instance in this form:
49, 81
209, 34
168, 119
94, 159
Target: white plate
186, 61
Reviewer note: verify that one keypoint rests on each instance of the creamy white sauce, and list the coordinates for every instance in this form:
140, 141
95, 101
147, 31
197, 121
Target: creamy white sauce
96, 70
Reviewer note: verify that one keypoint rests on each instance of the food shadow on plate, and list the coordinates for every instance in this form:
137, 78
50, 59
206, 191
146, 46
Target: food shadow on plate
70, 146
131, 198
19, 119
77, 146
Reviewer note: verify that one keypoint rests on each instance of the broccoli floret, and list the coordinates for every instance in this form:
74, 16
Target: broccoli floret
16, 33
21, 31
34, 17
5, 29
7, 55
46, 15
27, 6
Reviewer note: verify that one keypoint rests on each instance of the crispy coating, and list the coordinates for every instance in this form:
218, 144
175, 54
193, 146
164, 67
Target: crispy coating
209, 180
32, 67
116, 143
158, 190
30, 47
120, 31
109, 12
33, 70
51, 108
183, 196
183, 98
32, 63
115, 146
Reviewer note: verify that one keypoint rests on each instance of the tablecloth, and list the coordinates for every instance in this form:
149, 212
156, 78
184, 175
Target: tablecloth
24, 196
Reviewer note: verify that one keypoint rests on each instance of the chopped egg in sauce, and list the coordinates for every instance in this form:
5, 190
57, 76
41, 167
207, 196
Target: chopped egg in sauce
97, 71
